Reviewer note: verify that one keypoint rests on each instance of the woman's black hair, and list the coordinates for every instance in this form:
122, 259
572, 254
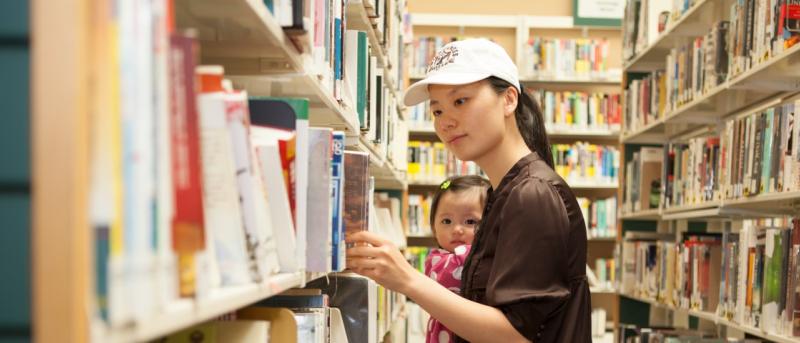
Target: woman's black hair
457, 184
529, 120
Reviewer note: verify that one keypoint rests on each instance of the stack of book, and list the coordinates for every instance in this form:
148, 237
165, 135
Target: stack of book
584, 163
691, 171
422, 50
419, 209
747, 275
600, 217
240, 188
566, 58
579, 110
760, 152
432, 162
643, 180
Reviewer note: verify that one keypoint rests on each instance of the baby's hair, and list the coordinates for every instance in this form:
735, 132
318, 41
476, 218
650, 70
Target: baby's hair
458, 184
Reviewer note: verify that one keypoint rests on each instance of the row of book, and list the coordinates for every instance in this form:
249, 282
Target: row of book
603, 275
579, 110
600, 216
232, 190
566, 58
756, 153
645, 100
747, 274
643, 180
562, 111
754, 32
318, 29
360, 311
432, 162
422, 50
632, 333
585, 163
419, 209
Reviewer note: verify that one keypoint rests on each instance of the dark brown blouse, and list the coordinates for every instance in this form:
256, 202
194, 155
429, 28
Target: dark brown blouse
528, 257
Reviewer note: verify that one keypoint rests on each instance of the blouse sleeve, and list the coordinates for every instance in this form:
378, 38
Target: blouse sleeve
528, 281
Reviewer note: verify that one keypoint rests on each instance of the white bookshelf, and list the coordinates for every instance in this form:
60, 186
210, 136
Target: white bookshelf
244, 37
186, 313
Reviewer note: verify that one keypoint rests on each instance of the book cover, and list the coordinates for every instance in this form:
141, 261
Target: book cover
356, 187
273, 112
222, 210
269, 158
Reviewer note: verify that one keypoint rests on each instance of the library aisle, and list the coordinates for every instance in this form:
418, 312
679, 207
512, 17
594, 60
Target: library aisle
187, 170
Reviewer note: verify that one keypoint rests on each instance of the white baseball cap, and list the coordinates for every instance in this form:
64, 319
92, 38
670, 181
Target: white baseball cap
462, 62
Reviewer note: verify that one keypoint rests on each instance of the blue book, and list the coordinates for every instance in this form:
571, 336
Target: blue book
337, 178
337, 56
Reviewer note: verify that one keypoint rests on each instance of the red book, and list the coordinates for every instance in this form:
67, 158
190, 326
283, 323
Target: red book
187, 225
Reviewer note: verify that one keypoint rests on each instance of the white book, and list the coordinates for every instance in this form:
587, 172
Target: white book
263, 218
138, 121
269, 159
350, 65
222, 211
301, 190
283, 12
319, 229
166, 259
257, 229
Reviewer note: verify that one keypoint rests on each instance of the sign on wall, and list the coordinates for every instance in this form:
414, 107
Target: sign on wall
598, 12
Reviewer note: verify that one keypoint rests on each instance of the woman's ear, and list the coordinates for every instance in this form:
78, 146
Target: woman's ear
510, 99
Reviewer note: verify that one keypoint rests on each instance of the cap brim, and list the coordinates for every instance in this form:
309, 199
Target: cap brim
418, 92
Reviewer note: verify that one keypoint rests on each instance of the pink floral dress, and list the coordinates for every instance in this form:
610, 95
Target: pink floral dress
444, 267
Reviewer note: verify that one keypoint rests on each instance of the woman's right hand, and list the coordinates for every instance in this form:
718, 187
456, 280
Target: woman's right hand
378, 259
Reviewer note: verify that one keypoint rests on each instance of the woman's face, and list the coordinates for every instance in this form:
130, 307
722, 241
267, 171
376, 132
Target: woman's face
469, 118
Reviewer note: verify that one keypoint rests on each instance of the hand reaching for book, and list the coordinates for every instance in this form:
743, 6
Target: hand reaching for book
378, 259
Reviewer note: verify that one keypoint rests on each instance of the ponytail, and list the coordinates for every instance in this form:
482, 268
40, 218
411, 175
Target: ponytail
529, 120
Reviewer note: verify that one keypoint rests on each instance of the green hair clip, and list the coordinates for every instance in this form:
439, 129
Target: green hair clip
445, 185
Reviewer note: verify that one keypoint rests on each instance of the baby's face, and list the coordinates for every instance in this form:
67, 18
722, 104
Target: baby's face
457, 218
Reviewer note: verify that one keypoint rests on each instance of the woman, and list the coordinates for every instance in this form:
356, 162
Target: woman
524, 279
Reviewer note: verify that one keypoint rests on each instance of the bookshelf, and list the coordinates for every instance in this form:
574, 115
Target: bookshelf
247, 40
187, 313
712, 317
705, 115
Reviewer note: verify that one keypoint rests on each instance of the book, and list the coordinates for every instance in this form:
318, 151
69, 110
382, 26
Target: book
274, 112
356, 192
337, 201
320, 232
229, 264
188, 227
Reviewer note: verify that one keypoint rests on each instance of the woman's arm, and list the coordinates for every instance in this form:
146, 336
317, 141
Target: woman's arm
472, 321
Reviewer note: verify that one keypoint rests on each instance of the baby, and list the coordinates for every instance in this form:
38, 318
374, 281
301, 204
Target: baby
455, 213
